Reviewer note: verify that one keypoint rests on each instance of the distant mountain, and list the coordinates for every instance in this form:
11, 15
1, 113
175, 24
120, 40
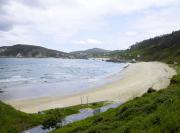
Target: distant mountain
90, 53
27, 51
162, 48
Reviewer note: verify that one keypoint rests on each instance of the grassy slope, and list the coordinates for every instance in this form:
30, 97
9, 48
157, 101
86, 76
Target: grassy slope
164, 48
151, 113
14, 121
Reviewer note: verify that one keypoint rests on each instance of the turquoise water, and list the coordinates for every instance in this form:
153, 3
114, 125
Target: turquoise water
31, 78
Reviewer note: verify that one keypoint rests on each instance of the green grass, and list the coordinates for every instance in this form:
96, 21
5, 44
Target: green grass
177, 67
14, 121
72, 109
156, 112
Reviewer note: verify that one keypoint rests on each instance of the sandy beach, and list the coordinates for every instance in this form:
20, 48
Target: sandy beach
133, 82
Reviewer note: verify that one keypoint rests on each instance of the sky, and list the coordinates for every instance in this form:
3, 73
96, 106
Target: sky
70, 25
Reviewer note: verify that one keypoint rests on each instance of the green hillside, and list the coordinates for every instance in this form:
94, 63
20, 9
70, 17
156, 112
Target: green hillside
89, 53
32, 51
155, 112
29, 51
13, 121
164, 48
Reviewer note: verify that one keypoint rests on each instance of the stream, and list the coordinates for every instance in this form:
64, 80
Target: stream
83, 114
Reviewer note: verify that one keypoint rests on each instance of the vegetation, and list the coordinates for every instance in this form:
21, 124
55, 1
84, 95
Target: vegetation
150, 90
28, 51
53, 119
152, 113
14, 121
90, 53
164, 48
21, 50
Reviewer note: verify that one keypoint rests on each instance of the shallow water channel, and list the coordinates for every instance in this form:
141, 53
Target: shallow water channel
83, 114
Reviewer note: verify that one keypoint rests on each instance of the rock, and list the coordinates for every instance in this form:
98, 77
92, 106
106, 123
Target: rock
19, 55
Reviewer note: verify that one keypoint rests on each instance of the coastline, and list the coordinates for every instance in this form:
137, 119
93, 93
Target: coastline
135, 81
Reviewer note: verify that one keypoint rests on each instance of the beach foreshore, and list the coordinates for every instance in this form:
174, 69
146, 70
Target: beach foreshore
135, 80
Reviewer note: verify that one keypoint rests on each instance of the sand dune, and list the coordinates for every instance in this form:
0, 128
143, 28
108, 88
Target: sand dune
134, 81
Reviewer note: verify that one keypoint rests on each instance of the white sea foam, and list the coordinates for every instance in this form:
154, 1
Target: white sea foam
53, 76
14, 79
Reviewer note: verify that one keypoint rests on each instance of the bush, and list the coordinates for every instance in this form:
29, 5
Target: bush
53, 119
98, 119
150, 90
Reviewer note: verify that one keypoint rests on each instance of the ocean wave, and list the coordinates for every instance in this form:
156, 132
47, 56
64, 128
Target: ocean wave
14, 79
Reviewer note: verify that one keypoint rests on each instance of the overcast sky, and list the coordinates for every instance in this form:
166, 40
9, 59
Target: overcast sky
69, 25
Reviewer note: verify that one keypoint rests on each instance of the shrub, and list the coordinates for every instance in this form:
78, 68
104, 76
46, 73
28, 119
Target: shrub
150, 90
98, 119
53, 119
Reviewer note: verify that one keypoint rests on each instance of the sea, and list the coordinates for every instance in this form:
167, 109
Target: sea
27, 78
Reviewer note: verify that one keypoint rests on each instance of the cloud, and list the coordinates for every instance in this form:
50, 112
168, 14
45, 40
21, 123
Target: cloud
3, 2
156, 23
130, 33
5, 25
94, 41
31, 3
55, 23
79, 42
88, 41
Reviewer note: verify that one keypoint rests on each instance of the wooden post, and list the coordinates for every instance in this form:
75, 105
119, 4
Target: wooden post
81, 100
87, 99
